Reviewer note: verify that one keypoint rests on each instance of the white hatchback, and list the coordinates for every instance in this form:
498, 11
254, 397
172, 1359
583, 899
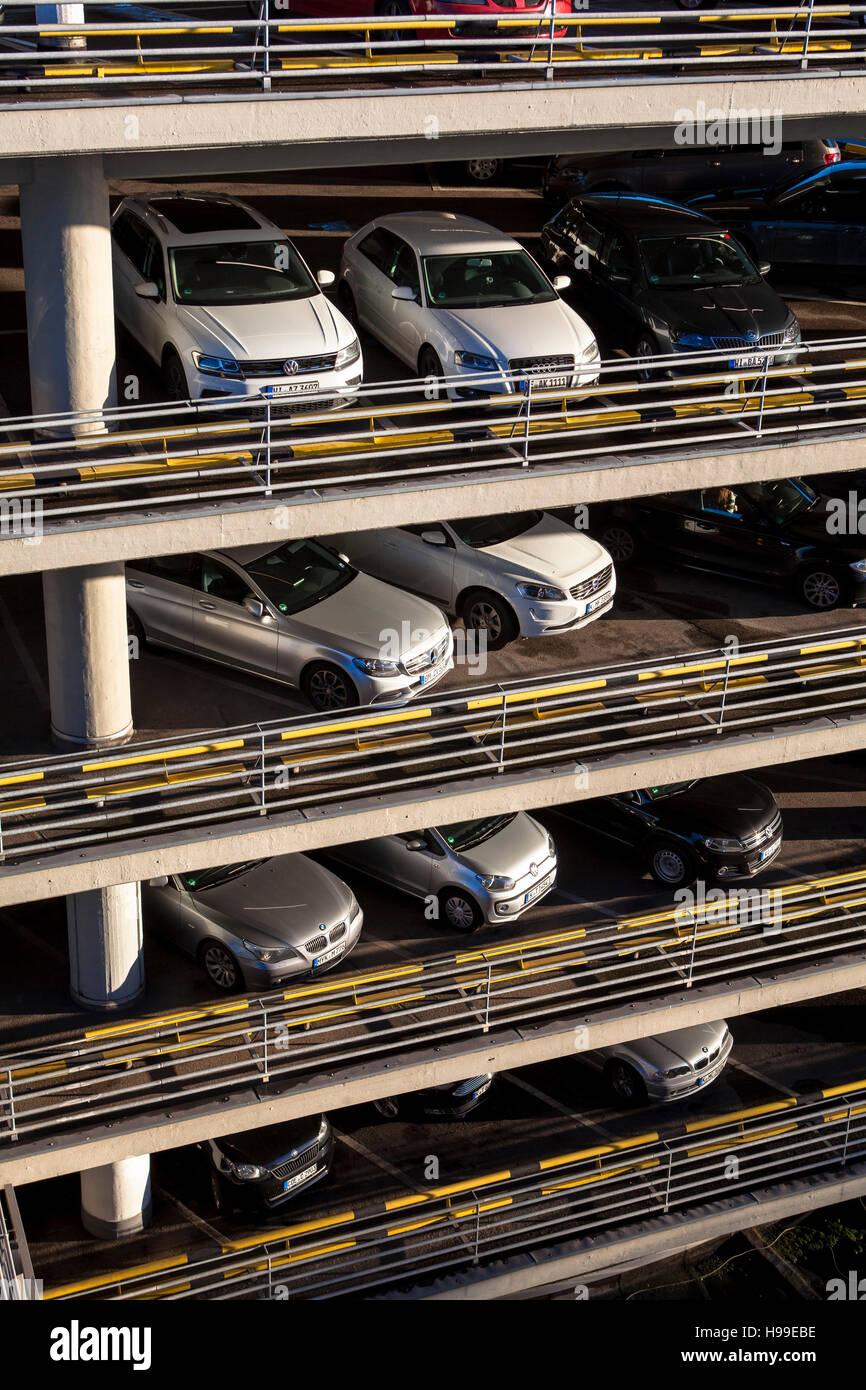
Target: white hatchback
225, 305
526, 573
452, 297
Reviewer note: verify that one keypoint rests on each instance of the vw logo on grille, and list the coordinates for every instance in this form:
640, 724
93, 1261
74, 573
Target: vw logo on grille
290, 367
533, 869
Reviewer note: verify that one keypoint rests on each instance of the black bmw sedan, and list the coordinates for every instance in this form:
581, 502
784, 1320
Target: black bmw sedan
453, 1100
263, 1168
715, 828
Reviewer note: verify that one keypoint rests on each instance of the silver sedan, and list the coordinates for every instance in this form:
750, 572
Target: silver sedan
669, 1066
294, 612
256, 923
487, 870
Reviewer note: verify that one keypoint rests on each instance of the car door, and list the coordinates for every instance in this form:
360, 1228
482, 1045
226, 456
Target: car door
620, 281
615, 817
729, 532
371, 287
152, 313
224, 628
403, 319
160, 592
822, 227
129, 256
410, 562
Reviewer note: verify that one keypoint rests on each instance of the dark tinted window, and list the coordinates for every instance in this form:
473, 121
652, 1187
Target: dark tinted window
180, 569
222, 582
376, 247
404, 268
194, 215
131, 235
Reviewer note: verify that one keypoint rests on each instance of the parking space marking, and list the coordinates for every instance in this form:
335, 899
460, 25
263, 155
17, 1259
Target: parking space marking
557, 1105
218, 1237
585, 902
387, 1167
769, 1081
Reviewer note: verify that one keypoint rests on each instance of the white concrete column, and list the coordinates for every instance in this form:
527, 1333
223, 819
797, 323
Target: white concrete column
116, 1199
106, 964
88, 661
61, 14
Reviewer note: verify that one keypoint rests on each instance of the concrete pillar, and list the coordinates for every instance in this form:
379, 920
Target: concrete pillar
61, 14
106, 965
116, 1199
88, 663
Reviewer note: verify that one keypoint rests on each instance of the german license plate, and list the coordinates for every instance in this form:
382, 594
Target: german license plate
433, 675
768, 852
293, 388
598, 603
549, 383
746, 362
538, 889
299, 1178
329, 955
481, 1090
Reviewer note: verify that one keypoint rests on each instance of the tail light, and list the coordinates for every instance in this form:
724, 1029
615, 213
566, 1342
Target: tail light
833, 156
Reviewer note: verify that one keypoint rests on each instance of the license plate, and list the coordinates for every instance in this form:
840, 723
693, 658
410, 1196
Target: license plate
768, 852
548, 383
293, 388
433, 675
481, 1090
746, 362
538, 889
598, 603
329, 955
299, 1178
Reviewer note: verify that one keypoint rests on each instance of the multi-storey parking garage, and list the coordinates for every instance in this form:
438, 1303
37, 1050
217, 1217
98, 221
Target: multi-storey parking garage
617, 677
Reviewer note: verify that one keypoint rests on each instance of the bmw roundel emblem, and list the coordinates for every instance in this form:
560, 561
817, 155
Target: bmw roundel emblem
290, 367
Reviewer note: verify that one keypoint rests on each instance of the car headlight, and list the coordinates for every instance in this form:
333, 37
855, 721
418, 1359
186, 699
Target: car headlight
718, 842
494, 881
376, 667
348, 354
247, 1172
858, 565
269, 954
551, 847
792, 332
323, 1129
691, 340
216, 366
548, 591
590, 352
476, 360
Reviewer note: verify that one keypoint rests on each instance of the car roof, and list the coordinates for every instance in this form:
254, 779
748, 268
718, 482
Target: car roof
855, 168
448, 233
634, 212
201, 218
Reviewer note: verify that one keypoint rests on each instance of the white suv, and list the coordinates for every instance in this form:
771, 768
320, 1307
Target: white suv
223, 302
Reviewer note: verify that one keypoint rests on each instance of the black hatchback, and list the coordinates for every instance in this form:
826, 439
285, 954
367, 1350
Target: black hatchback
723, 828
656, 278
263, 1168
780, 532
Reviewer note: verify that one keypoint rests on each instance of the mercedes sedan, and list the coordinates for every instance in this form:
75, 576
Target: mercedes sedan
294, 612
256, 923
669, 1066
519, 574
454, 298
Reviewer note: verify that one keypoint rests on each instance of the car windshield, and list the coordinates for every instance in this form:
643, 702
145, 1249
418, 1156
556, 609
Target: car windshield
239, 272
466, 834
299, 574
479, 531
782, 500
488, 280
677, 261
209, 878
667, 789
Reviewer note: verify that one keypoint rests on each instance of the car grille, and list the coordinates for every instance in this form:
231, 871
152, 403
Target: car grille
416, 664
536, 366
467, 1088
762, 836
593, 584
338, 933
296, 1165
768, 340
318, 943
273, 366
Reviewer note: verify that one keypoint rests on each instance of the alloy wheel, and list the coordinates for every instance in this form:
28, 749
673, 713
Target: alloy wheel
485, 617
620, 544
328, 689
460, 912
220, 966
821, 589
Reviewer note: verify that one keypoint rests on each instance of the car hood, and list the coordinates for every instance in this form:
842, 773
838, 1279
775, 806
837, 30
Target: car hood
366, 614
721, 311
521, 330
285, 899
733, 805
511, 850
684, 1045
551, 550
272, 1144
296, 328
811, 530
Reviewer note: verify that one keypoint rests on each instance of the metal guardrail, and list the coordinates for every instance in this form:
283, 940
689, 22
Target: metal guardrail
272, 51
393, 1242
69, 472
559, 978
239, 777
17, 1284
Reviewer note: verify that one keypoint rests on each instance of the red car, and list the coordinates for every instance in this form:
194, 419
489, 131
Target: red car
535, 11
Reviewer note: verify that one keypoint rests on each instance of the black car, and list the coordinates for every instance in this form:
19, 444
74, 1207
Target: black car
814, 226
724, 828
657, 278
780, 532
263, 1168
453, 1100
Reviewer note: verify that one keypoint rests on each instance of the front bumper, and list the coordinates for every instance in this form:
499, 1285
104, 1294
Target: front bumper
537, 618
260, 976
324, 388
728, 868
447, 1105
681, 1087
400, 689
497, 383
505, 906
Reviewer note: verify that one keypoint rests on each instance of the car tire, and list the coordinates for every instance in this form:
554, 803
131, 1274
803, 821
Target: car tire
430, 366
398, 9
645, 348
821, 589
625, 1083
327, 687
387, 1106
135, 628
174, 377
220, 966
670, 865
621, 543
484, 611
483, 171
459, 910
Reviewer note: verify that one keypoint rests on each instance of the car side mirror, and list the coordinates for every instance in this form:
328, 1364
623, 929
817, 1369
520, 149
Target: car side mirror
561, 282
433, 538
764, 268
324, 278
415, 845
147, 289
343, 557
404, 292
255, 606
160, 882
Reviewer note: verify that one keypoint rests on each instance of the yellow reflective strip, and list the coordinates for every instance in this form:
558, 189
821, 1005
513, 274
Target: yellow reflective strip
121, 1276
23, 805
695, 1126
598, 1151
546, 692
832, 1091
821, 647
722, 664
601, 1176
322, 1223
166, 1020
19, 480
139, 758
747, 1137
424, 712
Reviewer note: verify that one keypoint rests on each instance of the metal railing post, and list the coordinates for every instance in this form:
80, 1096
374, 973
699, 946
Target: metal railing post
527, 421
486, 1026
670, 1155
847, 1135
477, 1227
763, 394
12, 1131
502, 731
266, 51
2, 850
690, 978
804, 60
268, 488
551, 39
263, 808
721, 720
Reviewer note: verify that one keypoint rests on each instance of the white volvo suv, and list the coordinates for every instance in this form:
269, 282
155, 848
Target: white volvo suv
225, 305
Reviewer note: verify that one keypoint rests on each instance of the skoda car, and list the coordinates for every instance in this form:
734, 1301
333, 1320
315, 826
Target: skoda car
452, 297
722, 828
779, 532
262, 1169
454, 1100
669, 1066
520, 574
297, 613
225, 305
666, 280
486, 870
256, 923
